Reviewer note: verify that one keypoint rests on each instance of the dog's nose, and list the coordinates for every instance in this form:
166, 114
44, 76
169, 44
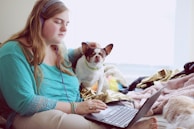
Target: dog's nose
97, 59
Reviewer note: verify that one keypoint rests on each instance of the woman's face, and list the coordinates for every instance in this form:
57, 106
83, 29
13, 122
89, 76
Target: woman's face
55, 28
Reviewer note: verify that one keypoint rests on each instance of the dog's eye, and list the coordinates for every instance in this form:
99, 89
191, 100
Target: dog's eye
101, 54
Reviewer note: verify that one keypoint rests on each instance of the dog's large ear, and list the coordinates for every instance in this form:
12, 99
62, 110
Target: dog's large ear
85, 47
108, 49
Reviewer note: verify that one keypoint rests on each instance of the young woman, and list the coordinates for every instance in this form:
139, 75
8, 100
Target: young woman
38, 88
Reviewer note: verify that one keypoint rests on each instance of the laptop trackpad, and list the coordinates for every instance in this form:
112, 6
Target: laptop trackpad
107, 112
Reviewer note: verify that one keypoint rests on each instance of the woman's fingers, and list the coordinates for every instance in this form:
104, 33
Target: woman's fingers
96, 105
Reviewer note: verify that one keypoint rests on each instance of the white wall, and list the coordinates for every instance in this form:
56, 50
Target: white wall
184, 32
192, 32
13, 16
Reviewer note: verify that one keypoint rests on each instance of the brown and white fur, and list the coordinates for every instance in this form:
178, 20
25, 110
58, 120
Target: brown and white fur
90, 67
179, 112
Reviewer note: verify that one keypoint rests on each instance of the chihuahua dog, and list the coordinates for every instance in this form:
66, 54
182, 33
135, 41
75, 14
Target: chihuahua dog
179, 112
90, 67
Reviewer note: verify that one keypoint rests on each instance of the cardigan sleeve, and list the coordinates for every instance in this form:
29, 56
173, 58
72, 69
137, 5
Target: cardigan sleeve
18, 86
74, 55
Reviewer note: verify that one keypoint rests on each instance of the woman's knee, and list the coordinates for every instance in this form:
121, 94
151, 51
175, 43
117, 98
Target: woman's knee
73, 121
54, 119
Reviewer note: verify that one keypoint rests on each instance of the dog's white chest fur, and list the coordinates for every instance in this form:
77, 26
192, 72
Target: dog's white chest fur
88, 75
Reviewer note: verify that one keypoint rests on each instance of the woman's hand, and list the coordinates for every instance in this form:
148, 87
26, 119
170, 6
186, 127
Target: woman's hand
94, 44
90, 106
90, 44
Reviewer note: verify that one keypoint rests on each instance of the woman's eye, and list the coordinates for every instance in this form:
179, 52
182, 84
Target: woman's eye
58, 21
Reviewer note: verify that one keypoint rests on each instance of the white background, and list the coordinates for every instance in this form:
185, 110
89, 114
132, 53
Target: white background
142, 31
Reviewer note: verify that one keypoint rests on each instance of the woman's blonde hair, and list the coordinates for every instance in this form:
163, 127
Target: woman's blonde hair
42, 10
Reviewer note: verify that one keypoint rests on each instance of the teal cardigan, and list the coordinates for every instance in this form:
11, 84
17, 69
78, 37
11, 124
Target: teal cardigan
18, 90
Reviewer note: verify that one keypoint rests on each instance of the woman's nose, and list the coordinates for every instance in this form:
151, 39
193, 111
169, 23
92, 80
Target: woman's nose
64, 28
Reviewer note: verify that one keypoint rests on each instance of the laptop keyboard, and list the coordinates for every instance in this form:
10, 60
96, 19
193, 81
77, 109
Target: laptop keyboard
120, 116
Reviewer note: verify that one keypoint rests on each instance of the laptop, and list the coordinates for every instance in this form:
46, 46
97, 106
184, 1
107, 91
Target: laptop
120, 115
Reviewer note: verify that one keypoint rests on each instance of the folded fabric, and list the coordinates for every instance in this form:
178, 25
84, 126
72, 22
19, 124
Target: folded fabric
108, 96
162, 75
175, 87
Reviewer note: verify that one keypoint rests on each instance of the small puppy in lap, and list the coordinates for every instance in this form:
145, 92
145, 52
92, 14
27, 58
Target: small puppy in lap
90, 67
